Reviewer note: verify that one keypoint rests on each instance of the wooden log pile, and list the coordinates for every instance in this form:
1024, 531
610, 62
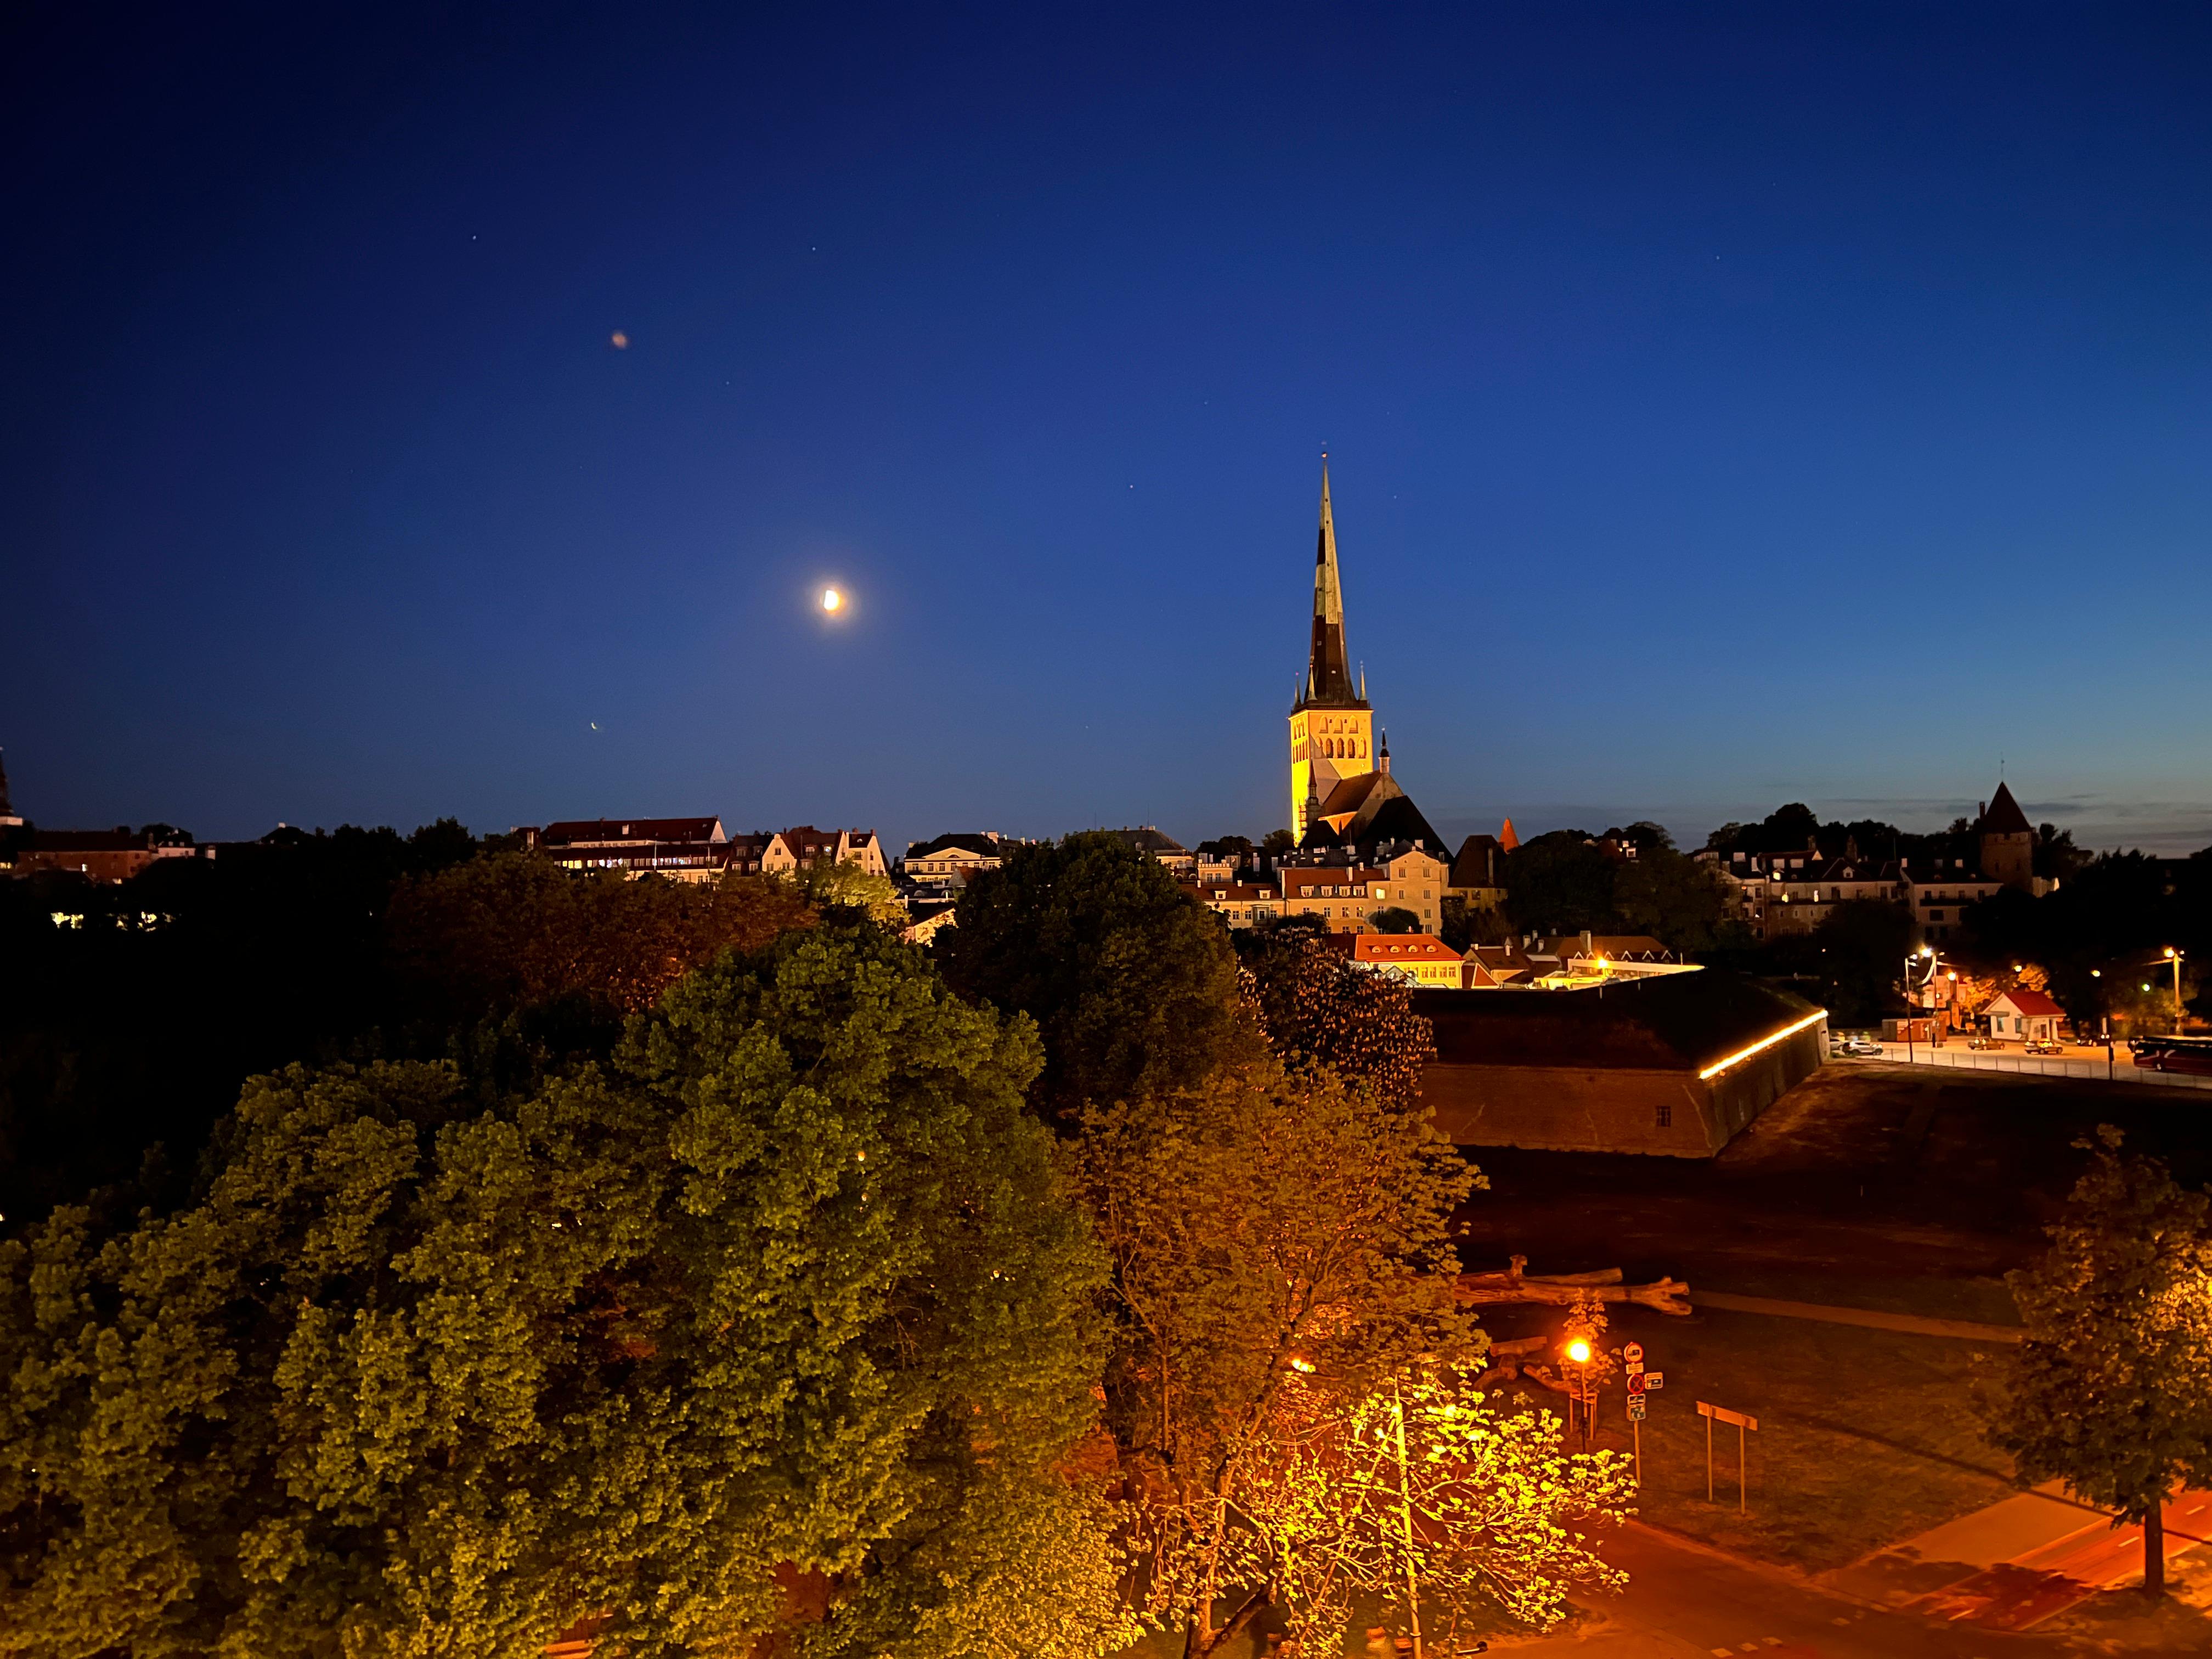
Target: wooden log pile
1518, 1284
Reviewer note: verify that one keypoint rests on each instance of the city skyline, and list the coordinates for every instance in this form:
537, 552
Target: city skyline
1724, 410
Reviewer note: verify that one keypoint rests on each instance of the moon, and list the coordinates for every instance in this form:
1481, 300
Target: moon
832, 601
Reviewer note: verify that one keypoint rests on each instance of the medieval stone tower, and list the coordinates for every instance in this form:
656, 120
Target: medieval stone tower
1332, 724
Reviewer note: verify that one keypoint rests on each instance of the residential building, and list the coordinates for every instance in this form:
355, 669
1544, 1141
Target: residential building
1494, 967
1149, 838
1346, 890
1240, 903
925, 919
1478, 871
1419, 959
2021, 1015
949, 862
1577, 960
805, 847
1939, 897
692, 850
101, 855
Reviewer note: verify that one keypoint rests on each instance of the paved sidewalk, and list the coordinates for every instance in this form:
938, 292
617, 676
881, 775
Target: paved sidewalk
1684, 1602
1866, 1318
2016, 1562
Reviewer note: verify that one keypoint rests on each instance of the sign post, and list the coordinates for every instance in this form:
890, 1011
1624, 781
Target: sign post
1742, 1420
1631, 1362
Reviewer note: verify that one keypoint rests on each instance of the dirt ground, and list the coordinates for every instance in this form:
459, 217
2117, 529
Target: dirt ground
1867, 1172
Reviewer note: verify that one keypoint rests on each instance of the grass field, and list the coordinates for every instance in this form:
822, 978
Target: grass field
1865, 1438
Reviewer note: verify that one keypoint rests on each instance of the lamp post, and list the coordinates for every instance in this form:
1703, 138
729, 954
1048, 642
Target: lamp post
1579, 1354
2174, 957
1926, 953
1406, 1517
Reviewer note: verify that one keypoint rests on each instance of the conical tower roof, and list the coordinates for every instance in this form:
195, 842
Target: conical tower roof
2004, 816
1329, 682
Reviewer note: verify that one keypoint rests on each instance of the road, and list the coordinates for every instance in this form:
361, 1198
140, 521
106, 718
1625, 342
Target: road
1683, 1602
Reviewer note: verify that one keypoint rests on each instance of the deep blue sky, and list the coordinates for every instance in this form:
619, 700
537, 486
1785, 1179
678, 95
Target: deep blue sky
1727, 405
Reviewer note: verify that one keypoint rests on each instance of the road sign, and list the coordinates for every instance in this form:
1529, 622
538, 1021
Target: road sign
1742, 1420
1636, 1382
1636, 1412
1655, 1381
1633, 1353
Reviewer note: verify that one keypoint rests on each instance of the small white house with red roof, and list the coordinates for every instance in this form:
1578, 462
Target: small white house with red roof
2024, 1016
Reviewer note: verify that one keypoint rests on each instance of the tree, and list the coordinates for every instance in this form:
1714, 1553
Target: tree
2106, 1393
1859, 948
1261, 1222
1427, 1485
1670, 895
790, 1294
1559, 883
1132, 981
1316, 1008
124, 1039
1462, 923
1276, 842
516, 931
1394, 919
843, 885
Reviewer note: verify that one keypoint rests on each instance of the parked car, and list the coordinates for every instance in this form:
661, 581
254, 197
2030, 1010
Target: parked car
2045, 1046
1984, 1042
1855, 1046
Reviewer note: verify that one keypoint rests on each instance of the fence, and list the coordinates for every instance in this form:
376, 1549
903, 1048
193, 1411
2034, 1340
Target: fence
1956, 1054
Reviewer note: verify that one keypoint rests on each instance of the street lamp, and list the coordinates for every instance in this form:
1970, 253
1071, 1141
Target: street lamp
1579, 1354
2174, 957
1925, 953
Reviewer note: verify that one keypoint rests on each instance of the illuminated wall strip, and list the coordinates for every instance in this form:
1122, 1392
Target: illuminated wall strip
1763, 1044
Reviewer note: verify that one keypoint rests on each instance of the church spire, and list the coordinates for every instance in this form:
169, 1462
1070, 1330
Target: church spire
1328, 672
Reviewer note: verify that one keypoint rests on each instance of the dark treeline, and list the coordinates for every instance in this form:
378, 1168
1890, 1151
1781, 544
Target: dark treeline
132, 1014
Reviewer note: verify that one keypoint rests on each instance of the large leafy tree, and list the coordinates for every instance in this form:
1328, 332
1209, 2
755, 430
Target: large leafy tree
1561, 881
781, 1319
1132, 982
1274, 1233
516, 930
2107, 1392
1316, 1007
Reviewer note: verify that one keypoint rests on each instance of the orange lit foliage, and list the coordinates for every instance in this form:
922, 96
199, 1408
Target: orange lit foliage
516, 930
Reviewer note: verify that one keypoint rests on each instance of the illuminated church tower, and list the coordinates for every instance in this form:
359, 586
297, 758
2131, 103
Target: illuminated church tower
1332, 725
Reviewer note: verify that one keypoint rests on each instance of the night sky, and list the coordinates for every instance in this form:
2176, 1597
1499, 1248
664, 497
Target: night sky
1725, 406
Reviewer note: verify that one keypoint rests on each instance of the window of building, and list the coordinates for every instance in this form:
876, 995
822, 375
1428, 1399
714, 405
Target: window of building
1666, 1115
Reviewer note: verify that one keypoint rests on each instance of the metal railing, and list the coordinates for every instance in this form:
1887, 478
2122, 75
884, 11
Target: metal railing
1958, 1055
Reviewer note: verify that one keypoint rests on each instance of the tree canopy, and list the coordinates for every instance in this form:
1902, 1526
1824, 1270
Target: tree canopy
1132, 981
1260, 1222
2106, 1393
786, 1294
1316, 1008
